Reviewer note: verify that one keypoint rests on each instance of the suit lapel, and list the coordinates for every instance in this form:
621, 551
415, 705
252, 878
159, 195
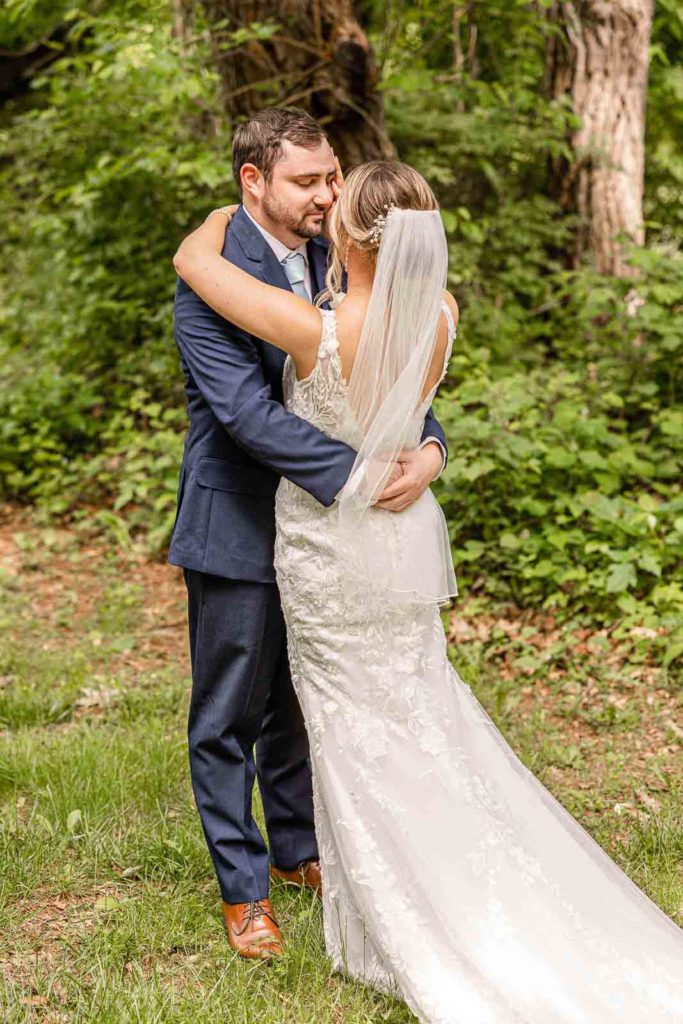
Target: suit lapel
252, 253
317, 261
272, 271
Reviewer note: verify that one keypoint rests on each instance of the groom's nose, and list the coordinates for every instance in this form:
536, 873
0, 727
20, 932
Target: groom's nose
323, 198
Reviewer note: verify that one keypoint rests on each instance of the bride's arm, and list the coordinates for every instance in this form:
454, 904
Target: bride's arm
280, 317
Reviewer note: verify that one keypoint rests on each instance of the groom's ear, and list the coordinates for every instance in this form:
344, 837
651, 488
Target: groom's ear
252, 180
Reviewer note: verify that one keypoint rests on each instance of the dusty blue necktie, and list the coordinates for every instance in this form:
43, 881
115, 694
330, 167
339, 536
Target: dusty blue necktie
295, 268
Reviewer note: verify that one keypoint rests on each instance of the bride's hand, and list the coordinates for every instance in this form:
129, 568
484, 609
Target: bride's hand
209, 237
227, 211
336, 186
337, 183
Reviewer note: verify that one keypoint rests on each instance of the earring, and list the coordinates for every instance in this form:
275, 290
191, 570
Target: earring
346, 257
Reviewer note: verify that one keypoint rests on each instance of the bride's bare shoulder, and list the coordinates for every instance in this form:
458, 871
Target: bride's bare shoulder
452, 304
351, 312
350, 315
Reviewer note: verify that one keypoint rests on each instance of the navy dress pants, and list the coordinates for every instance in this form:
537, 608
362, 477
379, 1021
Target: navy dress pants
245, 722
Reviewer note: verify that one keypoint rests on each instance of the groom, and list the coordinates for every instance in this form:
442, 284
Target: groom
245, 721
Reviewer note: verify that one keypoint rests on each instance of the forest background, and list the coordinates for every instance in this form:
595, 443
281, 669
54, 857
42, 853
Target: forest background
552, 133
563, 401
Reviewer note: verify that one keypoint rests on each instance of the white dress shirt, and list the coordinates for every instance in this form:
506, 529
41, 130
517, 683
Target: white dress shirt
281, 252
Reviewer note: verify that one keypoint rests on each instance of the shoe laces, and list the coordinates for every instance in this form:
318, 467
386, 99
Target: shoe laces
254, 911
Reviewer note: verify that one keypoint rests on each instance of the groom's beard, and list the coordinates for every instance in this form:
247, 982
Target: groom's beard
304, 226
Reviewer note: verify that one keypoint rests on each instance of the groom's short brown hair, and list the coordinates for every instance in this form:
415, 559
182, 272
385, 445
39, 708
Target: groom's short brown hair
259, 140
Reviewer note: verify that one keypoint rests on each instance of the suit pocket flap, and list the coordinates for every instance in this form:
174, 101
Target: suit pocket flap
222, 475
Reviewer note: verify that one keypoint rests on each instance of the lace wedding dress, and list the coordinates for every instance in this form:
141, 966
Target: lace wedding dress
451, 876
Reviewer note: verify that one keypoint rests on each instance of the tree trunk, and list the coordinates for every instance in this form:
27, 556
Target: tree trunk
599, 59
318, 58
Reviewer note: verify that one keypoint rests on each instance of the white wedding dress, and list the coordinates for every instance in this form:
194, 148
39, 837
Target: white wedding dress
451, 876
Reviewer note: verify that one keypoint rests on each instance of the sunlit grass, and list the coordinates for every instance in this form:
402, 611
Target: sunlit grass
109, 911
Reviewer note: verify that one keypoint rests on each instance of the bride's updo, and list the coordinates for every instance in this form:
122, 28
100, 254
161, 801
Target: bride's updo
367, 194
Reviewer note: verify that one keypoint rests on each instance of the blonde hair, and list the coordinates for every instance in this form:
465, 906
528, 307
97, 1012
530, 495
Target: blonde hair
367, 193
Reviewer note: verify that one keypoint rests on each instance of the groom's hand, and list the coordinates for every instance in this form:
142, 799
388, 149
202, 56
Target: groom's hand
420, 467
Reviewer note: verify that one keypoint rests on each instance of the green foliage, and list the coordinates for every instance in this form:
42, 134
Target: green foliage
22, 22
664, 168
563, 405
577, 461
563, 408
102, 172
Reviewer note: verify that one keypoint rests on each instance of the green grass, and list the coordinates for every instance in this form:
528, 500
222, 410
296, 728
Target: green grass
109, 911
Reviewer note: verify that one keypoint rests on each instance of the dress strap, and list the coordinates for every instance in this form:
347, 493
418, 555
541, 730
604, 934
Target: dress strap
452, 330
328, 339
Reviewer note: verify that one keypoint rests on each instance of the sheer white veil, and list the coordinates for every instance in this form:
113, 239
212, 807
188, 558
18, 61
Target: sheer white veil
407, 553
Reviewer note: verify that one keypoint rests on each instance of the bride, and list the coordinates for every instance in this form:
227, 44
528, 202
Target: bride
451, 876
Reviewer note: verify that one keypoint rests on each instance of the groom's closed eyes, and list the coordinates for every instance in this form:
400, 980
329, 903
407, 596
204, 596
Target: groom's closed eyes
308, 181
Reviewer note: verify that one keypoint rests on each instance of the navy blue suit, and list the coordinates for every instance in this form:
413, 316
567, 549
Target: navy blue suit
241, 440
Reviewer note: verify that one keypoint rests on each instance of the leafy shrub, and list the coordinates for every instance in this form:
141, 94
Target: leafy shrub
578, 460
563, 405
118, 152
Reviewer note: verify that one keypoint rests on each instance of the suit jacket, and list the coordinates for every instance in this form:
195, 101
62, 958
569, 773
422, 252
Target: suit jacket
241, 439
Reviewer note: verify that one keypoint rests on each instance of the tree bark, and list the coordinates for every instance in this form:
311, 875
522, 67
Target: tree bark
599, 58
319, 59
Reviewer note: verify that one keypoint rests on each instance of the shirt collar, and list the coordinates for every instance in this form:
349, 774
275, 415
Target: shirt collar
279, 248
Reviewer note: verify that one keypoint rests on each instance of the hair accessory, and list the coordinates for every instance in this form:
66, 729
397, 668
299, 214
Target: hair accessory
380, 223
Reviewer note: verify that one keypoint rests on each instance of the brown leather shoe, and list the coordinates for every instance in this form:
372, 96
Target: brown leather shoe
253, 931
307, 875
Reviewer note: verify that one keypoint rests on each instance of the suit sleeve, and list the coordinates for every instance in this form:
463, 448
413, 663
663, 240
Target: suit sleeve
433, 428
226, 367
